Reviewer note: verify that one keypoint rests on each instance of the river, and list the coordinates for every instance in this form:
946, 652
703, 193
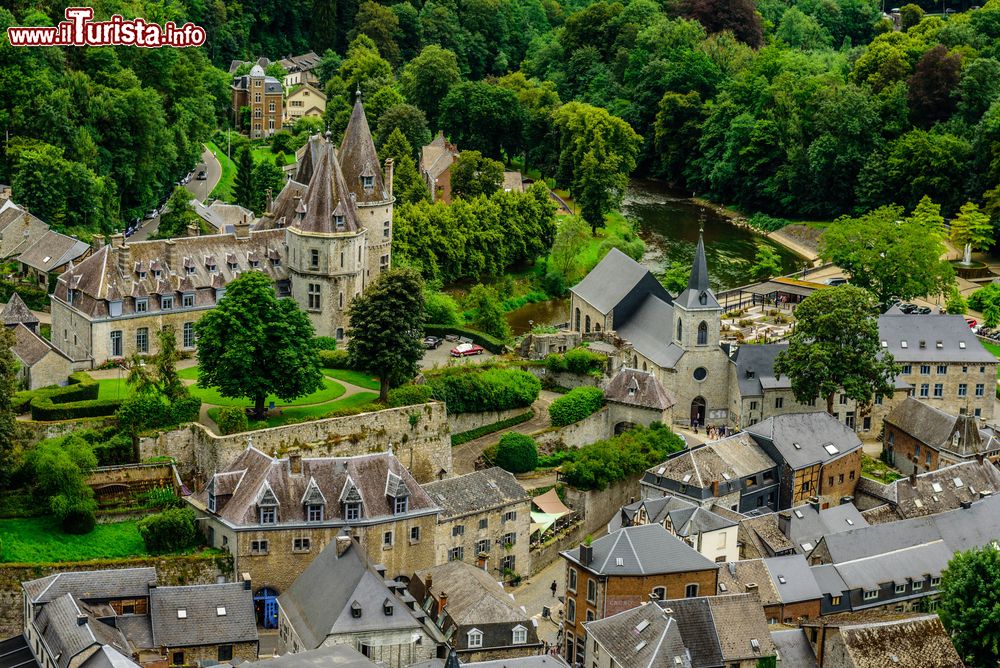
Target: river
668, 223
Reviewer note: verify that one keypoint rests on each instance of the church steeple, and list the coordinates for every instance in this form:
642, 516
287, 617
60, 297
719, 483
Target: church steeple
698, 294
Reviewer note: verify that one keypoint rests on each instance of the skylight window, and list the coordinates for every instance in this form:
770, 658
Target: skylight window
961, 344
850, 521
807, 547
939, 345
796, 446
182, 613
885, 344
619, 561
918, 503
660, 470
638, 648
902, 344
641, 626
754, 644
221, 611
686, 478
936, 487
722, 587
782, 580
958, 482
798, 513
831, 449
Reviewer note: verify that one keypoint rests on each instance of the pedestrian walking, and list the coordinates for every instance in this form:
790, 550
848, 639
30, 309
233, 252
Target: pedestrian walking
553, 587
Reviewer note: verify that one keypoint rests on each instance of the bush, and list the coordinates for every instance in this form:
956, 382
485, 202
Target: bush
408, 395
150, 411
576, 405
325, 343
478, 432
334, 359
490, 390
232, 420
441, 308
599, 464
517, 453
78, 518
115, 450
766, 223
578, 360
172, 530
492, 344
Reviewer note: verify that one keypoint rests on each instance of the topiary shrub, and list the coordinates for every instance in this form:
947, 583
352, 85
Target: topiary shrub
577, 404
232, 420
408, 395
517, 453
583, 361
172, 530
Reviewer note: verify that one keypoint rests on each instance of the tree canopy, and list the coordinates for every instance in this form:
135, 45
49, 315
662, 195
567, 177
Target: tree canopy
253, 344
970, 604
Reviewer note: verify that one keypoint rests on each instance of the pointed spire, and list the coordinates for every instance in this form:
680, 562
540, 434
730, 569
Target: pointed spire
699, 270
359, 160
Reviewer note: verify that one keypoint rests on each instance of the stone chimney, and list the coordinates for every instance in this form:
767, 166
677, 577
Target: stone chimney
98, 241
442, 601
169, 253
81, 620
124, 255
751, 586
243, 228
388, 175
429, 581
270, 201
192, 230
295, 461
814, 502
979, 458
785, 523
913, 478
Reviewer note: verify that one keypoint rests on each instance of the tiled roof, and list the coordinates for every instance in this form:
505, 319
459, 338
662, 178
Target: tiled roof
763, 534
68, 630
202, 615
804, 439
474, 596
358, 157
793, 648
638, 388
748, 575
29, 347
254, 472
608, 283
643, 636
920, 641
437, 157
476, 492
945, 489
808, 523
739, 621
16, 311
53, 250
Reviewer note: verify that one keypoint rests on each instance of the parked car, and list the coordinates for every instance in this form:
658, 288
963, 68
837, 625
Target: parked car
972, 322
466, 349
923, 310
202, 175
431, 342
153, 213
836, 281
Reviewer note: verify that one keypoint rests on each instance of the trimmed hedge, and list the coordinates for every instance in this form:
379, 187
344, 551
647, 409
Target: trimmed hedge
334, 359
76, 400
577, 360
517, 453
478, 432
492, 344
490, 390
408, 395
577, 404
81, 387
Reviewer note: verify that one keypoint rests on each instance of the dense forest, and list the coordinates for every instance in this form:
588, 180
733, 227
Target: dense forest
810, 108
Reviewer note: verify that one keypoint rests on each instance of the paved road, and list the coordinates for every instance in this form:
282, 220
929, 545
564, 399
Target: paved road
464, 456
199, 189
536, 592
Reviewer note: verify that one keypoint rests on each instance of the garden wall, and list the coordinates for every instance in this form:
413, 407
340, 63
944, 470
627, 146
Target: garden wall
592, 428
419, 436
181, 570
38, 431
459, 422
562, 378
596, 508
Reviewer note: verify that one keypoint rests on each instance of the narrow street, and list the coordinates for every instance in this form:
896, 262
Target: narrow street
535, 592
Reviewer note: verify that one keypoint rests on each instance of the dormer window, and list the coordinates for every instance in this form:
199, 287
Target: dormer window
268, 514
368, 182
350, 497
187, 299
314, 512
352, 511
267, 505
142, 275
211, 501
520, 635
387, 608
115, 308
339, 222
70, 295
166, 302
401, 505
396, 490
356, 610
475, 638
157, 273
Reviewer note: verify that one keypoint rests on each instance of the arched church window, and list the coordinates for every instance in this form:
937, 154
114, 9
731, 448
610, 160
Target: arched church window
586, 324
680, 329
576, 321
702, 333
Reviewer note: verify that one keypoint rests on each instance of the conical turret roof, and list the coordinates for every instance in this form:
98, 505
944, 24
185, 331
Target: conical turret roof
358, 158
698, 294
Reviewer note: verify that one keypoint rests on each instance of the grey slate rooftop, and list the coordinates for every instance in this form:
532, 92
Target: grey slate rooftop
638, 388
804, 439
946, 338
474, 596
724, 461
607, 283
755, 368
643, 636
202, 615
16, 311
959, 434
792, 579
642, 550
698, 295
92, 585
476, 492
918, 641
15, 653
335, 656
808, 523
794, 650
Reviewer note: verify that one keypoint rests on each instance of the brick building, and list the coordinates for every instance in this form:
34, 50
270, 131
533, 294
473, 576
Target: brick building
920, 437
785, 586
263, 95
623, 569
275, 515
485, 520
817, 456
713, 535
436, 160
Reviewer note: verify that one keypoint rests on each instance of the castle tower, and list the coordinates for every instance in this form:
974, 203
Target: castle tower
372, 189
327, 244
702, 379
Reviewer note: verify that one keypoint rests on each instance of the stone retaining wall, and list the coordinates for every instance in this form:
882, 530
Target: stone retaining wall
183, 570
588, 430
459, 422
419, 436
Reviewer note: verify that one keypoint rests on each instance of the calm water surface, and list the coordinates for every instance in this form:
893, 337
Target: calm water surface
668, 224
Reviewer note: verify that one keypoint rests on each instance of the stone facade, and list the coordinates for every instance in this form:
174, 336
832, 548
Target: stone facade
201, 655
422, 443
264, 96
465, 537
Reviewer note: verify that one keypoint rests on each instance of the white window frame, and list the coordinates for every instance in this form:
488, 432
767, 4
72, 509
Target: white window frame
475, 638
519, 636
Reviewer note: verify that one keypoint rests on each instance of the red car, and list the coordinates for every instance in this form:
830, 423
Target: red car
972, 322
464, 349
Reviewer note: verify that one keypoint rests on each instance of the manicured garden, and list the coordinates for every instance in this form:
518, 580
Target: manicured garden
40, 540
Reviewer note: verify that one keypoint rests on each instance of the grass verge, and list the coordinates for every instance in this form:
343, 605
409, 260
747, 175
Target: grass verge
314, 412
224, 188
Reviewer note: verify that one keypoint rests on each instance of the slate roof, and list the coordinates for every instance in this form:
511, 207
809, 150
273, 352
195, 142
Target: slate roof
648, 327
919, 641
755, 368
643, 550
608, 283
930, 425
301, 63
958, 343
358, 157
271, 85
536, 661
803, 438
58, 622
108, 657
213, 614
725, 461
92, 585
253, 472
476, 492
698, 295
792, 579
474, 596
828, 580
334, 656
697, 626
793, 648
221, 216
738, 620
643, 636
318, 604
937, 491
30, 347
682, 517
807, 523
734, 577
762, 534
53, 250
16, 653
638, 388
16, 311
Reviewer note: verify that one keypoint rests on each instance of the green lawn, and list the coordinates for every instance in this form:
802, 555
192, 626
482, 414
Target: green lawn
224, 188
298, 413
39, 540
359, 378
113, 388
616, 225
993, 348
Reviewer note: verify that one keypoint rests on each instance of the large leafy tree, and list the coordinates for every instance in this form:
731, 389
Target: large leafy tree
10, 432
972, 230
179, 214
932, 84
427, 79
407, 119
407, 184
889, 254
483, 117
738, 16
970, 604
385, 333
253, 344
835, 347
489, 314
473, 175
